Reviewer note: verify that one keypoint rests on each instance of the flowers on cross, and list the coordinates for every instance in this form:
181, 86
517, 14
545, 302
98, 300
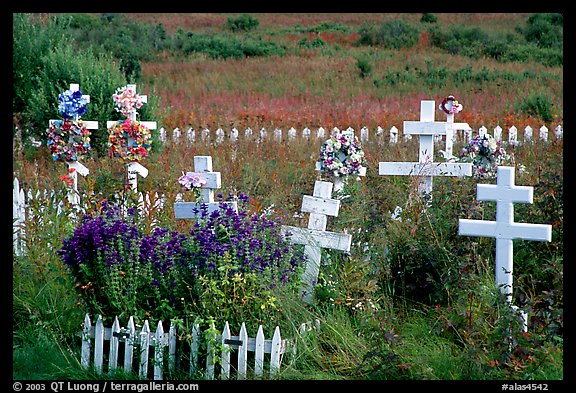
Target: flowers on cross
72, 104
127, 101
485, 153
129, 141
450, 105
68, 140
67, 179
342, 155
192, 182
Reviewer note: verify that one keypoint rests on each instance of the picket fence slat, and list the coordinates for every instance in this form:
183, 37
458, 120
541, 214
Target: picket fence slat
152, 346
291, 134
21, 213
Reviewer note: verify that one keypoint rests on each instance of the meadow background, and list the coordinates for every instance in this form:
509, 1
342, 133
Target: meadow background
413, 300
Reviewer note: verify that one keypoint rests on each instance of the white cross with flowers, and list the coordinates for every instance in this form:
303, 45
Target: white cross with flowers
340, 180
315, 237
129, 102
75, 167
426, 128
207, 181
450, 106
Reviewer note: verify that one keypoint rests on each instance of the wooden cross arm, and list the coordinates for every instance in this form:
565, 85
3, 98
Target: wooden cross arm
186, 210
432, 127
539, 232
151, 125
327, 206
491, 192
322, 239
424, 169
213, 179
89, 124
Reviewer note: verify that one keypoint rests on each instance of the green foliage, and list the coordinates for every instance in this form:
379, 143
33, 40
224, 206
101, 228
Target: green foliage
223, 46
244, 22
428, 18
544, 30
364, 66
536, 104
394, 34
540, 41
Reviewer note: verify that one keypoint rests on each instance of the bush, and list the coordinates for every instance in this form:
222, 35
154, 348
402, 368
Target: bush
364, 66
428, 18
536, 104
244, 22
53, 65
394, 34
544, 30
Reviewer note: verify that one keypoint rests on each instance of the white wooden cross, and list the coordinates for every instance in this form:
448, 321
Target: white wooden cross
426, 128
73, 196
504, 229
202, 169
315, 237
450, 135
135, 168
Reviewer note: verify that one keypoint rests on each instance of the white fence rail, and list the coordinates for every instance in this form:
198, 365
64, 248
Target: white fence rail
19, 199
192, 135
151, 354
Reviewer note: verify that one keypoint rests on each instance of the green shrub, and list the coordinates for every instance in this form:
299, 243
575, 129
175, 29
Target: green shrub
536, 104
394, 34
364, 66
428, 18
544, 30
244, 22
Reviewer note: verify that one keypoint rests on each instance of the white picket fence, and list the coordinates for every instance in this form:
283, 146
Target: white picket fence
22, 201
219, 136
108, 349
19, 200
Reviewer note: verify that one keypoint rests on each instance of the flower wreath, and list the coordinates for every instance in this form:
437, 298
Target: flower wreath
127, 101
342, 155
485, 153
129, 141
450, 106
69, 139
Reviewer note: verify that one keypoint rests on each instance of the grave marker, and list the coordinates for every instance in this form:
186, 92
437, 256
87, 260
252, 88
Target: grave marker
315, 237
504, 229
202, 169
135, 168
426, 128
77, 167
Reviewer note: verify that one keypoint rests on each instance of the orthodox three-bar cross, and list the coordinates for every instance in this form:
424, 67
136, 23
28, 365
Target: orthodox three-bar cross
203, 169
135, 168
426, 168
73, 195
315, 237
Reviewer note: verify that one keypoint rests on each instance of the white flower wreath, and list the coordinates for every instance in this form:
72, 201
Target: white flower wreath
342, 155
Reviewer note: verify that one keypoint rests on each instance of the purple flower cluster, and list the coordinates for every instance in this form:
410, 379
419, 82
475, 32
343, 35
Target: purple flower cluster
120, 270
254, 242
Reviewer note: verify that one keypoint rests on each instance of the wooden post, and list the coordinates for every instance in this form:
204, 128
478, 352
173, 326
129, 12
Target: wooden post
315, 237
